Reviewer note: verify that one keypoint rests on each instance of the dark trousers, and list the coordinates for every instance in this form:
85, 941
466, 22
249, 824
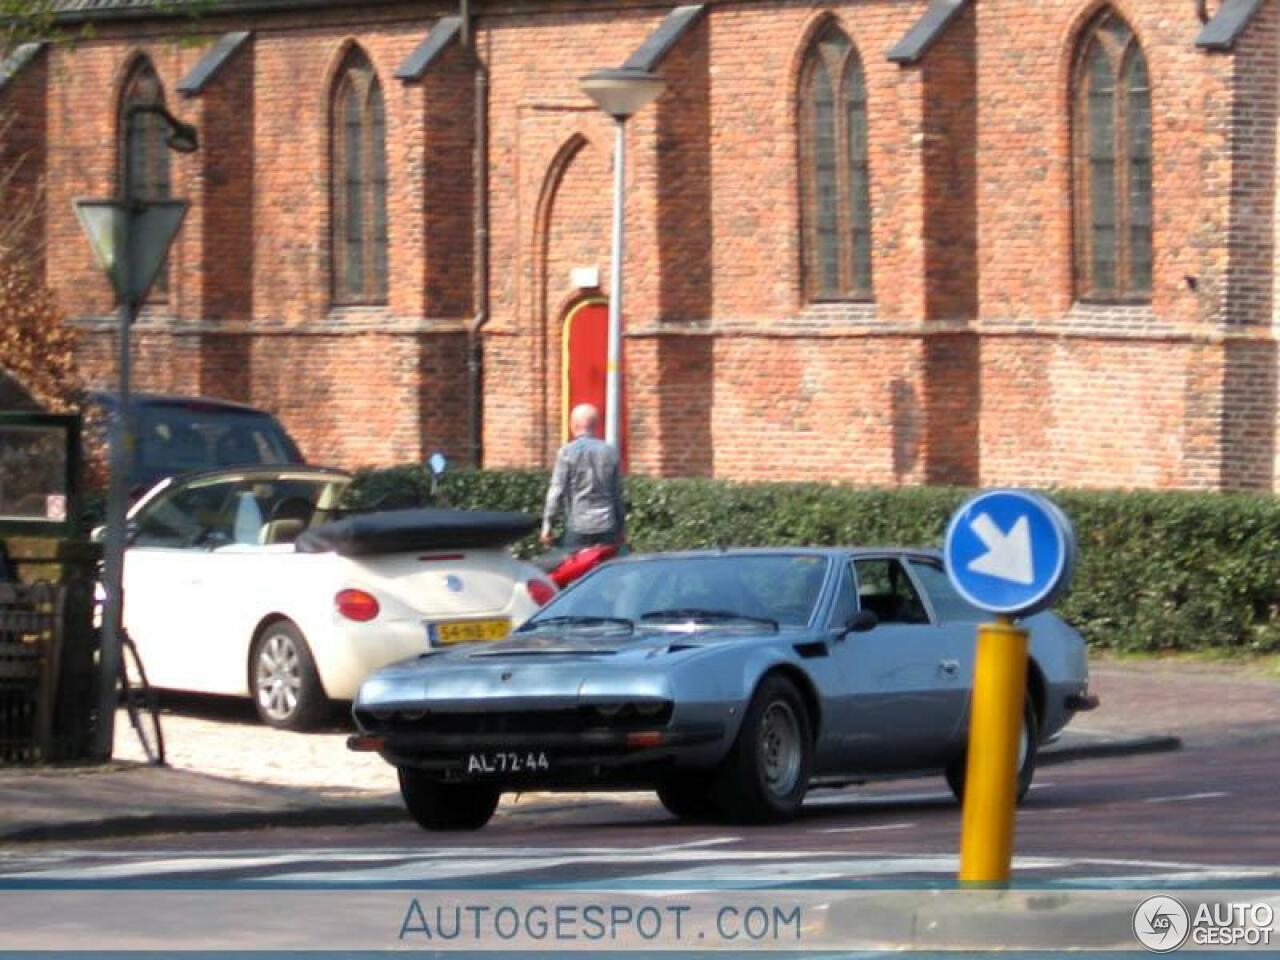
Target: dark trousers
573, 540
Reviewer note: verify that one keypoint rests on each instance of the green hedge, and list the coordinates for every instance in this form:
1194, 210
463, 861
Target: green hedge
1157, 571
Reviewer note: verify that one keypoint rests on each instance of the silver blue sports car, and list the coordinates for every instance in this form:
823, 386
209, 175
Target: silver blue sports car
729, 681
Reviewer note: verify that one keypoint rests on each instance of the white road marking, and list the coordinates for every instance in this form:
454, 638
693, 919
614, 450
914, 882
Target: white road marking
883, 826
876, 798
696, 865
1212, 795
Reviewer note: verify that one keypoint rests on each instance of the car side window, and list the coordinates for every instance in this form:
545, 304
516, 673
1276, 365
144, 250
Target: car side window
947, 604
194, 517
885, 588
846, 604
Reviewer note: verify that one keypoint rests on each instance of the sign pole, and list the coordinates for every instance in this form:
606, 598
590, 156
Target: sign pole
121, 437
995, 734
1011, 553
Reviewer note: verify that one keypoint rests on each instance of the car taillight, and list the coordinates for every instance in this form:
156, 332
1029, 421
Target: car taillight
356, 605
540, 591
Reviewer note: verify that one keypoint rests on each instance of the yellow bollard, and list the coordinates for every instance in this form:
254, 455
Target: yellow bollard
995, 732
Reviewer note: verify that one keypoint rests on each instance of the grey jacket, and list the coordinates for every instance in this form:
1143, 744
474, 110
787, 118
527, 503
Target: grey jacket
586, 486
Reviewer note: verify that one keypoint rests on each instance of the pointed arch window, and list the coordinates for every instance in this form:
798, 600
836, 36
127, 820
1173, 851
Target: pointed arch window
359, 185
1111, 155
142, 153
836, 194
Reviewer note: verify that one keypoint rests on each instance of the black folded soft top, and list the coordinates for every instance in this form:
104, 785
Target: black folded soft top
403, 531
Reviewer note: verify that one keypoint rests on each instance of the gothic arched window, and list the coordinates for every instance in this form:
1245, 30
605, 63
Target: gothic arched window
359, 184
143, 155
836, 207
1111, 155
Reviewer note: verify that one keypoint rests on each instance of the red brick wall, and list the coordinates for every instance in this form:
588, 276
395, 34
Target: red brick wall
974, 364
24, 152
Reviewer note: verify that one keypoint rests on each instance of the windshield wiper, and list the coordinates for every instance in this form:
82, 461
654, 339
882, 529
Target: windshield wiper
576, 621
711, 616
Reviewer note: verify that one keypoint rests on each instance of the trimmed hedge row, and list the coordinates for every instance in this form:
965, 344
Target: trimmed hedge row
1157, 571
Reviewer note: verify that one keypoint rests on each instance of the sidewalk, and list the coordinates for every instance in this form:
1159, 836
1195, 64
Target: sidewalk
227, 771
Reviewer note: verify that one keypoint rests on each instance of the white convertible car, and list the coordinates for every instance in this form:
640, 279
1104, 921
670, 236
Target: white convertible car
251, 582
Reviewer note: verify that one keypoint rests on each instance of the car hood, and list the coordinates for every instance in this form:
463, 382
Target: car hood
550, 668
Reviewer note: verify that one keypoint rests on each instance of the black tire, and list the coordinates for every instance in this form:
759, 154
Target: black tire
766, 774
1031, 731
283, 681
447, 806
688, 798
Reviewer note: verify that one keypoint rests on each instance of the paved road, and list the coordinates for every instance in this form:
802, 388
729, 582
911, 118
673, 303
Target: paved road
1206, 815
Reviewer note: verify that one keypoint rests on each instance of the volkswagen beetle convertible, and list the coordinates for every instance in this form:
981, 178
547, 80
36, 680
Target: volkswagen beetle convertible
252, 581
731, 682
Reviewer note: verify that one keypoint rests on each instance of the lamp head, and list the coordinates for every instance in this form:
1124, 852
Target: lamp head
623, 92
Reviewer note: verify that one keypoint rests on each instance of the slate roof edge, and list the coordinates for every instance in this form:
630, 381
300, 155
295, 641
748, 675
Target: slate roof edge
215, 58
21, 57
658, 44
437, 40
1225, 27
926, 31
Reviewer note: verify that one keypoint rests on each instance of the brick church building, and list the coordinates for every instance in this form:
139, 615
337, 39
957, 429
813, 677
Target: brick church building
875, 241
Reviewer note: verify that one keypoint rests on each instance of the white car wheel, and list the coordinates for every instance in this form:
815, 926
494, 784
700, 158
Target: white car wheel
286, 689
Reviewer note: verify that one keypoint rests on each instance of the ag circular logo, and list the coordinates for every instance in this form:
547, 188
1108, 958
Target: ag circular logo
1161, 924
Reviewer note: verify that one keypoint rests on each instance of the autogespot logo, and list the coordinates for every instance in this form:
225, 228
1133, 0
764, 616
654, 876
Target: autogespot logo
1161, 924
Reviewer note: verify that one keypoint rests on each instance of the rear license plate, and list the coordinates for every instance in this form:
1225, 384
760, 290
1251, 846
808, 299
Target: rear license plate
464, 631
508, 761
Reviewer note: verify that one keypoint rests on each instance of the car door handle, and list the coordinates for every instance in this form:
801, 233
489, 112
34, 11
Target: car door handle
949, 667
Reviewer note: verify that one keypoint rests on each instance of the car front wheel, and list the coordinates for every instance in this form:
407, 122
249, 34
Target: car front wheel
283, 679
447, 806
766, 774
1028, 750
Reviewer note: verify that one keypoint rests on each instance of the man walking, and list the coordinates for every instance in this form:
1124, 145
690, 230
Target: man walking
586, 486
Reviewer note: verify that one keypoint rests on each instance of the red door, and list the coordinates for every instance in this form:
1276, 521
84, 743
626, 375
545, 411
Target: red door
586, 360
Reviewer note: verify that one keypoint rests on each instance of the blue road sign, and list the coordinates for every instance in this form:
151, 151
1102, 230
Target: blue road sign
1010, 551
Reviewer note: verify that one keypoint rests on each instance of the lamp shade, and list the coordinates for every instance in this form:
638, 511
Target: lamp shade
621, 93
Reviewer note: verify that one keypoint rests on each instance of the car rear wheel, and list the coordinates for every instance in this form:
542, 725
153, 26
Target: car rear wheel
283, 679
1028, 751
447, 806
766, 774
688, 798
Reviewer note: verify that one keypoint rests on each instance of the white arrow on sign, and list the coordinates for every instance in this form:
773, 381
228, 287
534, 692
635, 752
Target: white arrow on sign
1008, 556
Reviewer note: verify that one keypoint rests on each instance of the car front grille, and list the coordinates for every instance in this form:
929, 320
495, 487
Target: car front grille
571, 720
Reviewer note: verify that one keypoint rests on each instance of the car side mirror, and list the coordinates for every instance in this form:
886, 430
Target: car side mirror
862, 621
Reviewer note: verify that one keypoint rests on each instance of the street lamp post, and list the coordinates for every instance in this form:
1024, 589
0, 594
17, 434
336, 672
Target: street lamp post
130, 238
619, 93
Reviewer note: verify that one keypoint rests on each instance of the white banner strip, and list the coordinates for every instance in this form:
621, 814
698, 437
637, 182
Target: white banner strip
568, 920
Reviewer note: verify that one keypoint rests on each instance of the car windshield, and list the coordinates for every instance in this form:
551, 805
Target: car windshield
733, 591
246, 510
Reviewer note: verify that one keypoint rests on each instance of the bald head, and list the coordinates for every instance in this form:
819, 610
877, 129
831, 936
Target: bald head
583, 419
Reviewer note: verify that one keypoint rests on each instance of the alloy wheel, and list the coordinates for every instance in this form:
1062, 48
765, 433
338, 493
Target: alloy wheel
279, 676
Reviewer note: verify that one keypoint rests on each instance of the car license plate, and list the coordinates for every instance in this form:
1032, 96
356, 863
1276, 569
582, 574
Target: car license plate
508, 761
464, 631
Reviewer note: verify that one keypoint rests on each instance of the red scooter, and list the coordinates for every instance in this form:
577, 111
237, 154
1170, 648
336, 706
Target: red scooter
564, 567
